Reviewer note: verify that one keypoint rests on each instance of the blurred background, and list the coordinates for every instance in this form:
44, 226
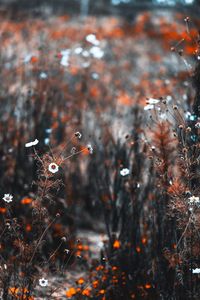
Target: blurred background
100, 7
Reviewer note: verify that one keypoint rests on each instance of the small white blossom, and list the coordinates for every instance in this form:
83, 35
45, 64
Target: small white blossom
30, 144
73, 150
85, 53
78, 135
27, 58
152, 101
90, 149
149, 107
78, 50
197, 125
91, 38
53, 168
194, 200
43, 75
67, 251
196, 271
7, 198
65, 57
124, 172
97, 52
43, 282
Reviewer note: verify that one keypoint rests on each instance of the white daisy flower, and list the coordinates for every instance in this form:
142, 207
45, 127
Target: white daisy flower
196, 271
7, 198
90, 149
97, 52
43, 75
43, 282
78, 50
30, 144
65, 57
124, 172
53, 168
91, 38
152, 101
194, 200
149, 107
78, 135
197, 125
27, 58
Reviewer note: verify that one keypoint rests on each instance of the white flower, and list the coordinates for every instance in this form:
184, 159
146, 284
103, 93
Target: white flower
91, 38
152, 101
148, 107
196, 271
53, 167
43, 75
90, 149
78, 135
67, 251
27, 58
194, 200
197, 125
125, 172
43, 282
7, 198
65, 57
30, 144
97, 52
78, 50
73, 150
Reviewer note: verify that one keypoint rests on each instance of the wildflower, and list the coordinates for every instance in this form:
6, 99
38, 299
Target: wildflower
73, 150
7, 198
149, 107
81, 281
97, 52
193, 201
27, 58
71, 292
78, 135
30, 144
124, 172
86, 292
46, 141
53, 168
116, 244
197, 125
2, 210
85, 53
152, 101
196, 271
65, 57
26, 200
28, 227
67, 251
90, 149
91, 38
78, 50
43, 282
43, 75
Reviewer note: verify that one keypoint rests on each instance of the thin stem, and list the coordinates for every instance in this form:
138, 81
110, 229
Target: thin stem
41, 238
